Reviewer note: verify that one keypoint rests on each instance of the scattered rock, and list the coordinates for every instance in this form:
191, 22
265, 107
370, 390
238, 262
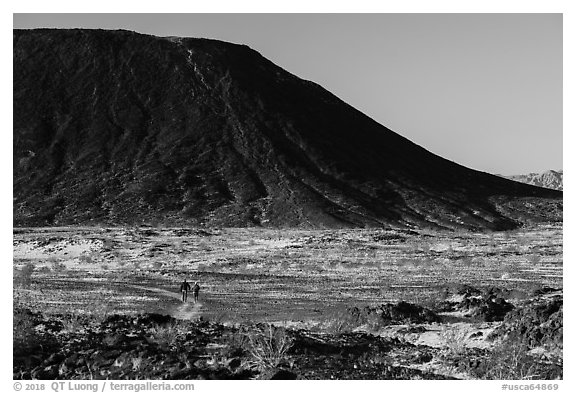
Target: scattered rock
544, 290
538, 322
422, 357
489, 309
114, 340
389, 314
488, 305
234, 363
467, 290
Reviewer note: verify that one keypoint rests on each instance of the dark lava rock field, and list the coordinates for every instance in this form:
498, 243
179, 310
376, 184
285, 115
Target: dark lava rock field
154, 346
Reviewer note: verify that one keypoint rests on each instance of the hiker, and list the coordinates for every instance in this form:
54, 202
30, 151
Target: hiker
195, 290
184, 288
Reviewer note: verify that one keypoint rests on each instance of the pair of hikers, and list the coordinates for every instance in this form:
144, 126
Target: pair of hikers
185, 287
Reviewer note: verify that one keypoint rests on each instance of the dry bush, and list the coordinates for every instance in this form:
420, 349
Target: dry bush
137, 363
221, 317
57, 265
24, 335
268, 345
27, 340
85, 258
424, 247
512, 269
511, 361
406, 263
23, 277
338, 321
72, 323
455, 340
479, 262
102, 306
166, 335
101, 310
467, 262
204, 246
533, 259
108, 244
430, 299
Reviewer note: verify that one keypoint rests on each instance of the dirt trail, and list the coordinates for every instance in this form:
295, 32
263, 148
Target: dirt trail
188, 310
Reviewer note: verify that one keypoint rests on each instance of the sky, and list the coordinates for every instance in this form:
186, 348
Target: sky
483, 90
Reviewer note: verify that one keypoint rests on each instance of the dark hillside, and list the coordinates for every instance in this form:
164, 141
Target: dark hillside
117, 127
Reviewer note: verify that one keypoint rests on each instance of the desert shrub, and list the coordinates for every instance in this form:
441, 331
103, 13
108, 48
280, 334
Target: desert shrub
166, 335
427, 263
424, 247
137, 363
511, 360
338, 321
533, 259
479, 262
431, 300
57, 266
24, 335
72, 323
371, 264
221, 317
204, 246
27, 338
512, 248
85, 258
23, 277
373, 322
268, 345
455, 340
467, 262
406, 263
108, 244
101, 310
518, 294
102, 306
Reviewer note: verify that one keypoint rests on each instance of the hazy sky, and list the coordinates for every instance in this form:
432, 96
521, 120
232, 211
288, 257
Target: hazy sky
484, 90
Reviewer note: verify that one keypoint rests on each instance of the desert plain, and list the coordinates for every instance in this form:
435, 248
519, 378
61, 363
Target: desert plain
434, 298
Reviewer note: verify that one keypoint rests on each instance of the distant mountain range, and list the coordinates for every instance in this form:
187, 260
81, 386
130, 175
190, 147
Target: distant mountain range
549, 179
121, 128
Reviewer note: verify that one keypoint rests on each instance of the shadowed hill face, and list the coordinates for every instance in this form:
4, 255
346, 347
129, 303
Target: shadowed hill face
118, 127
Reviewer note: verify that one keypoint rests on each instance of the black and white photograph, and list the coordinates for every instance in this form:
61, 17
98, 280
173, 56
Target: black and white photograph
287, 196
